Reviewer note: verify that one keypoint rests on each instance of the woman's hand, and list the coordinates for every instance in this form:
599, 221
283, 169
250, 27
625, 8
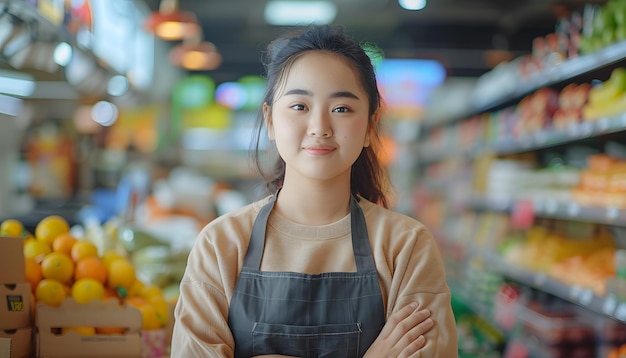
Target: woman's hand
403, 334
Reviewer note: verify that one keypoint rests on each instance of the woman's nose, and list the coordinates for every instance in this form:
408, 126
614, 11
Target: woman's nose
319, 126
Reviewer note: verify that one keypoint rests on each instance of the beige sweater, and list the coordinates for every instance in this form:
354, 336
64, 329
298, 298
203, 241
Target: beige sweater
406, 256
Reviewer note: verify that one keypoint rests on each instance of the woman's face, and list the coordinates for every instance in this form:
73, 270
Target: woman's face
319, 119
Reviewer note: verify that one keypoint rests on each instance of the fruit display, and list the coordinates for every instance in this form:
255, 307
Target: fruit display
535, 111
576, 254
602, 182
608, 98
606, 25
572, 99
60, 266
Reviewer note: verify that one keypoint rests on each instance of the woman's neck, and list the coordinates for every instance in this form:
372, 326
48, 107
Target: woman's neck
317, 204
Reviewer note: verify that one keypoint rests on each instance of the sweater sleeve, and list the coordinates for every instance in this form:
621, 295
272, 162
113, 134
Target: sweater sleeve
421, 274
201, 314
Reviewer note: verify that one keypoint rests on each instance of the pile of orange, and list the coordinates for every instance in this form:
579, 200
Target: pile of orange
59, 265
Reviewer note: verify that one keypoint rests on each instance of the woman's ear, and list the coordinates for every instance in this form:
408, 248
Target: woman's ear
267, 121
366, 141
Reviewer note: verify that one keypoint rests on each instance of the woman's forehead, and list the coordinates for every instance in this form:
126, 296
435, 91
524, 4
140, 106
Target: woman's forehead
318, 67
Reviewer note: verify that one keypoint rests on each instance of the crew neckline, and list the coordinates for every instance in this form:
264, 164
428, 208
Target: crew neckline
298, 231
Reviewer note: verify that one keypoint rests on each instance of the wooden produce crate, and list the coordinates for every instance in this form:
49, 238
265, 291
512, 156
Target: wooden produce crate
52, 344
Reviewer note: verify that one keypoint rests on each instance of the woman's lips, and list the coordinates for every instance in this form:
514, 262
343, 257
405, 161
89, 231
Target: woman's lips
319, 149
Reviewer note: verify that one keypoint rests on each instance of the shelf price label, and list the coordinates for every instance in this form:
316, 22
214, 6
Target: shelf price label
604, 124
574, 293
573, 209
608, 307
523, 214
620, 312
551, 206
539, 280
585, 297
612, 213
573, 130
586, 129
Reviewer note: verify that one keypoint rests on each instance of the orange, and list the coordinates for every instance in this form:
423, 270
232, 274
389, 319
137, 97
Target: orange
11, 228
83, 331
50, 292
58, 266
150, 291
110, 330
161, 308
63, 243
109, 256
136, 289
83, 249
149, 315
50, 227
91, 267
32, 272
86, 290
121, 273
34, 249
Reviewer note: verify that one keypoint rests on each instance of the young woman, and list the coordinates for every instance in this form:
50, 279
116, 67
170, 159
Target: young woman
320, 267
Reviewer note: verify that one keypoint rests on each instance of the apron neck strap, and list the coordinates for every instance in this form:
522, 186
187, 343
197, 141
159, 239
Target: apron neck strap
360, 238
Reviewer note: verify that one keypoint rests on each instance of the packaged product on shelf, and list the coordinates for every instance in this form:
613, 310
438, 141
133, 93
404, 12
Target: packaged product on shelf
555, 330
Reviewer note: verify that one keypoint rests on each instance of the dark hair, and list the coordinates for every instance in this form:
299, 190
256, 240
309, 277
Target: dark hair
368, 177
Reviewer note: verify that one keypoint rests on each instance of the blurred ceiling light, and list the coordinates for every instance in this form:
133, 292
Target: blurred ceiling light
118, 85
63, 54
412, 4
300, 12
104, 113
16, 84
196, 56
170, 23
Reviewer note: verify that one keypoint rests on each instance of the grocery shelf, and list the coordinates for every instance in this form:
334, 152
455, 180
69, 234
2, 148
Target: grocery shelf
565, 71
459, 290
554, 209
430, 154
608, 305
586, 129
553, 137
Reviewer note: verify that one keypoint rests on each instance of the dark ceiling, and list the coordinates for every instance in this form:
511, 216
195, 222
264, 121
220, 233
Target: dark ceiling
457, 32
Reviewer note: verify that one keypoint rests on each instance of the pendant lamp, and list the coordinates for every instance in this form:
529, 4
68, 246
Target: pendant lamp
195, 55
171, 24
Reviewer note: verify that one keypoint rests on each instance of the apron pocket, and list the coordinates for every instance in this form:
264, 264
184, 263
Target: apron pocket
333, 340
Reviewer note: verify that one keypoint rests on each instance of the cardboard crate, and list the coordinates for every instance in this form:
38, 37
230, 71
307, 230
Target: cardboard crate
12, 260
15, 306
20, 342
52, 344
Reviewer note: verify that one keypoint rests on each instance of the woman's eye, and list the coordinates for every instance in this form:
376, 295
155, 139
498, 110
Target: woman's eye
341, 110
298, 107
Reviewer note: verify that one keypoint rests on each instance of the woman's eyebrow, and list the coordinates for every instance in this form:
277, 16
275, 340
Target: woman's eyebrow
298, 91
346, 94
340, 94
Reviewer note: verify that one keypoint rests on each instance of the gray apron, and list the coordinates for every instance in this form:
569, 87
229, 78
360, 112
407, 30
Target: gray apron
333, 314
